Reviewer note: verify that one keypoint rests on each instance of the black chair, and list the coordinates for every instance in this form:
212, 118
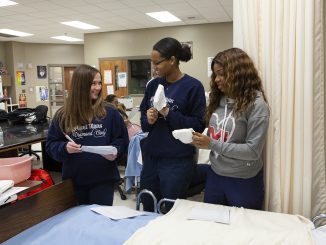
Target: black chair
29, 151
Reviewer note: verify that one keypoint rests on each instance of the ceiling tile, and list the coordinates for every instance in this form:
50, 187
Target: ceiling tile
43, 17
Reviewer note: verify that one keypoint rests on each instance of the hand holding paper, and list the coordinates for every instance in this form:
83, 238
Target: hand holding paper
159, 98
184, 135
102, 150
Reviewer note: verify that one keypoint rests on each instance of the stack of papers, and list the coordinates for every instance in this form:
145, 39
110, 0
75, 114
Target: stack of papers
10, 194
102, 150
117, 212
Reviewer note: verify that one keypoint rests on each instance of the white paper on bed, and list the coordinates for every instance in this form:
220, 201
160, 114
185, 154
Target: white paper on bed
246, 227
184, 135
102, 150
159, 101
117, 212
220, 215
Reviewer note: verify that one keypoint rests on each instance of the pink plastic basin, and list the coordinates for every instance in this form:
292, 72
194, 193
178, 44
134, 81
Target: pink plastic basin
17, 169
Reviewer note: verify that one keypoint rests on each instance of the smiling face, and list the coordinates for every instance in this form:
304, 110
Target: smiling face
219, 77
96, 86
162, 66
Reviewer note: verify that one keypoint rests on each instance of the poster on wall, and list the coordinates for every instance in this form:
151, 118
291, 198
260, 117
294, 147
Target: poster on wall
109, 89
20, 78
107, 76
41, 72
22, 102
122, 79
42, 93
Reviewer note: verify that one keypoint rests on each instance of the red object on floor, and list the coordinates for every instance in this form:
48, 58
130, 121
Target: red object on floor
38, 175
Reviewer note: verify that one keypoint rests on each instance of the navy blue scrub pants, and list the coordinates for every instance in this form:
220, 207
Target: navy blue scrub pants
247, 193
166, 178
101, 194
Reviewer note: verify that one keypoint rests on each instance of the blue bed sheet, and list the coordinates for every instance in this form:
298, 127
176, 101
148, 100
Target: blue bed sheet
80, 225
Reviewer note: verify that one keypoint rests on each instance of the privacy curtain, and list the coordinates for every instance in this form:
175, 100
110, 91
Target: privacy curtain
285, 40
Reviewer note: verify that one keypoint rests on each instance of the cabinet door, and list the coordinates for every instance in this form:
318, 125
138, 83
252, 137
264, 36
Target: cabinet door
68, 71
115, 66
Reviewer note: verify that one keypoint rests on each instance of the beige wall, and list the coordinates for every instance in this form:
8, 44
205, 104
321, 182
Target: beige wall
39, 54
207, 40
324, 36
2, 53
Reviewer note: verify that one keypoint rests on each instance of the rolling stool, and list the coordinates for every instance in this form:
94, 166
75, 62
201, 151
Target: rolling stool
29, 152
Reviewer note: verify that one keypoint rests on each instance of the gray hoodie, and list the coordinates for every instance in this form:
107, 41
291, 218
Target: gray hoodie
239, 154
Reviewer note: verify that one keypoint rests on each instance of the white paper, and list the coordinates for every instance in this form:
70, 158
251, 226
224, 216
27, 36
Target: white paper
109, 89
14, 190
140, 158
122, 79
184, 135
159, 101
107, 77
5, 185
10, 194
102, 150
9, 199
219, 215
117, 212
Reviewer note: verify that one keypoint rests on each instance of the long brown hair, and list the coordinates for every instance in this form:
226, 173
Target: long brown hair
241, 81
79, 108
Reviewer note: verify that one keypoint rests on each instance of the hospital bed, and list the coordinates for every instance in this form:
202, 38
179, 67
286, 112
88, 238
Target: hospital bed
52, 217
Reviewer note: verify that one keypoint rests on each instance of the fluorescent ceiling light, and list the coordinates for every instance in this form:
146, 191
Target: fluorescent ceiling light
80, 25
15, 33
4, 3
164, 16
67, 38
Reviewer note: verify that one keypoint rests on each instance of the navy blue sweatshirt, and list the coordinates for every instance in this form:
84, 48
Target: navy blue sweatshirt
186, 102
89, 168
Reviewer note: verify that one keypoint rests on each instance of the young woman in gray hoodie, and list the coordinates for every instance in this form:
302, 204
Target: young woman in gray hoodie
238, 118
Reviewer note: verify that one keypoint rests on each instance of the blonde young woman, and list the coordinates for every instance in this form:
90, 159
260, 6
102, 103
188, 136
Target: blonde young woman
87, 120
238, 118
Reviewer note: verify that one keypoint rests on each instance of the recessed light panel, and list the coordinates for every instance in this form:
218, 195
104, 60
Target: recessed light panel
67, 38
4, 3
80, 25
164, 16
15, 33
